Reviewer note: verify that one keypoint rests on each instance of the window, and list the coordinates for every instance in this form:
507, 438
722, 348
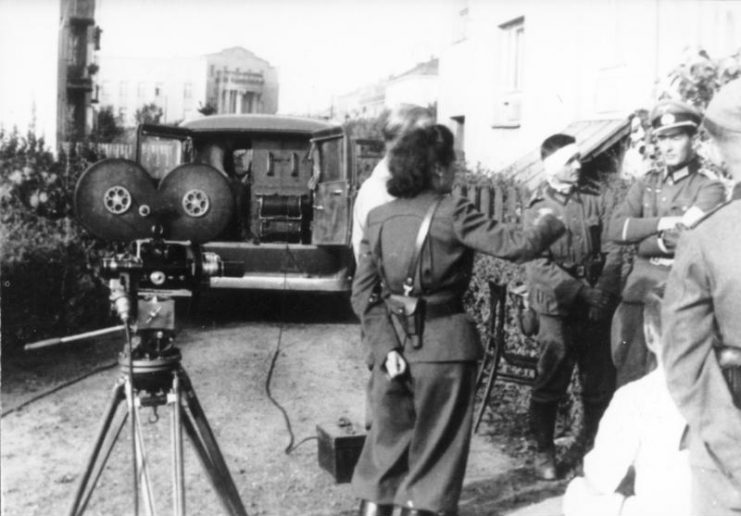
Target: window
513, 48
105, 92
188, 90
123, 93
459, 130
508, 107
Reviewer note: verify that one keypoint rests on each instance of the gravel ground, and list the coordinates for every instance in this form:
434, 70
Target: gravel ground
227, 351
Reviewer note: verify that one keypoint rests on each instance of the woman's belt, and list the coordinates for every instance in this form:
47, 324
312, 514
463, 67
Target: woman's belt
435, 310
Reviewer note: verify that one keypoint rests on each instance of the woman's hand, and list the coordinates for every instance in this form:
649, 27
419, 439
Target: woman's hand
395, 364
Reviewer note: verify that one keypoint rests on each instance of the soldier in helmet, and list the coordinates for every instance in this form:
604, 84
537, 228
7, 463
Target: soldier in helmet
571, 288
656, 209
702, 332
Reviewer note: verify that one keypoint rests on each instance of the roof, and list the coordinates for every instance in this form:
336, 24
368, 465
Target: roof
256, 123
427, 68
592, 136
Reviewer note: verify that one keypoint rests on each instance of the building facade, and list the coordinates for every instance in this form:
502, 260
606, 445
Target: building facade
79, 39
240, 82
231, 81
418, 85
519, 71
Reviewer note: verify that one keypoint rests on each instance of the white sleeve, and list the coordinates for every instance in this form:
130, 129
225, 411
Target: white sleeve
359, 216
580, 499
617, 441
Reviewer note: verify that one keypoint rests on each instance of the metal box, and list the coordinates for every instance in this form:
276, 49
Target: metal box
338, 448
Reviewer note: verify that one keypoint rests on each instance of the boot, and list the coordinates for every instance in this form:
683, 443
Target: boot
368, 508
545, 464
542, 426
592, 415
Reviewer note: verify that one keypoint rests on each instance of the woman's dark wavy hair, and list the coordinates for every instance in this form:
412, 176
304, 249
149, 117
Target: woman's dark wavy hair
412, 160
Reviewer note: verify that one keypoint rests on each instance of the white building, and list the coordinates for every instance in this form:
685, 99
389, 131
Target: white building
176, 85
418, 85
232, 81
519, 71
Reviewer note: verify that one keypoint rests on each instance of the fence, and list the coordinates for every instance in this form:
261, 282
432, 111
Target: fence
504, 203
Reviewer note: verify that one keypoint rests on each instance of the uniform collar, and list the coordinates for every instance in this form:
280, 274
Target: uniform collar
561, 195
564, 189
675, 176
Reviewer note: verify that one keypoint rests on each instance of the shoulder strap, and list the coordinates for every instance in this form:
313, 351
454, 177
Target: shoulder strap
424, 231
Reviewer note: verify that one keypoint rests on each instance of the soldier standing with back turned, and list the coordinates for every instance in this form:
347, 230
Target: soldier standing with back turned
702, 329
654, 212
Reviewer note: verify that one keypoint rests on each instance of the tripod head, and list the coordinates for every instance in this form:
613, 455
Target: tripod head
144, 283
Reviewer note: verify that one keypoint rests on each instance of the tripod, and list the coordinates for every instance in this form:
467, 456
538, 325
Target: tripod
152, 376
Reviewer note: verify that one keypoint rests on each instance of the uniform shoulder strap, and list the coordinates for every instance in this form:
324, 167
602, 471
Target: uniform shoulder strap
422, 234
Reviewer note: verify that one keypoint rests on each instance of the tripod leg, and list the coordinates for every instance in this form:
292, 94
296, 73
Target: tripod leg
208, 449
178, 481
102, 444
114, 431
141, 466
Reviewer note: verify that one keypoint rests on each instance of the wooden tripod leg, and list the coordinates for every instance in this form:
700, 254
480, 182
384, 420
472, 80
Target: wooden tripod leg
112, 423
142, 470
178, 474
200, 433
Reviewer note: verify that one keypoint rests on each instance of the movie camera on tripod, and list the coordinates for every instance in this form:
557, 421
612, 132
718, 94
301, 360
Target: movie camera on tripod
165, 223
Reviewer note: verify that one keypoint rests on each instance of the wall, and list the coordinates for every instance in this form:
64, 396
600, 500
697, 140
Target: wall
128, 83
583, 59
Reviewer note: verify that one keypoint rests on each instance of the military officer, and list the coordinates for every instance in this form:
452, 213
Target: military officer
573, 289
702, 331
656, 209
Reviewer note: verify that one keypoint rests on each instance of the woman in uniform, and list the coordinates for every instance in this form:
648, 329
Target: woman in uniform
415, 453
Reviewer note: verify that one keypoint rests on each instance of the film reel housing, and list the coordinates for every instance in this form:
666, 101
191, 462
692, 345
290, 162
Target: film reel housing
116, 199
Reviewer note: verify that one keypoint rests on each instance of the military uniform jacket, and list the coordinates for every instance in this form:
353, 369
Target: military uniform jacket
659, 194
553, 283
457, 230
701, 310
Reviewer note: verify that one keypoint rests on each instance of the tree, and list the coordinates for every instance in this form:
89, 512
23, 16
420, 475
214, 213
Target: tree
696, 79
149, 114
207, 110
109, 126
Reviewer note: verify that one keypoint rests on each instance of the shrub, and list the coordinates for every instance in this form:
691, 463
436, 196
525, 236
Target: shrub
48, 284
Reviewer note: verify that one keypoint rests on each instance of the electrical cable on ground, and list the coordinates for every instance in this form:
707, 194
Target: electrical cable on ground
292, 438
59, 387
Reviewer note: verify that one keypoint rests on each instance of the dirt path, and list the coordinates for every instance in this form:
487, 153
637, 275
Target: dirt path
318, 378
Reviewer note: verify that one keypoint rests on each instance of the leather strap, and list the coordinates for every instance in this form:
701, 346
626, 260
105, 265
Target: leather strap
422, 234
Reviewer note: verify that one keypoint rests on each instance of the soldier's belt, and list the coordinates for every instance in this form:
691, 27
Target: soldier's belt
729, 360
661, 262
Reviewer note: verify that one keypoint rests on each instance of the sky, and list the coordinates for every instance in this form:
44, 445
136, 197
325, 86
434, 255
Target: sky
320, 47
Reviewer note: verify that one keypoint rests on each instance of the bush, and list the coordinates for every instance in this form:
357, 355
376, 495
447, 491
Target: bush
48, 284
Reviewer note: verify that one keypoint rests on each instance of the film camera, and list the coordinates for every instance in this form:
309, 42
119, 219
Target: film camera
165, 225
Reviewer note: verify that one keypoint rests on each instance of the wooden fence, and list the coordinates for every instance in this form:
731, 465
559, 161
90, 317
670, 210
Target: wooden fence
503, 203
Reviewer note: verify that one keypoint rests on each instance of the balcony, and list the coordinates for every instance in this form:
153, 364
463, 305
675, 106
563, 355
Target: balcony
78, 78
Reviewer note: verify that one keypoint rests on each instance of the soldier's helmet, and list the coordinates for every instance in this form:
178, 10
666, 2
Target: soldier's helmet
669, 114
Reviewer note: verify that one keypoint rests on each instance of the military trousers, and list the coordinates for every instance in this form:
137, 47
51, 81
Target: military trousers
568, 341
630, 355
416, 450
